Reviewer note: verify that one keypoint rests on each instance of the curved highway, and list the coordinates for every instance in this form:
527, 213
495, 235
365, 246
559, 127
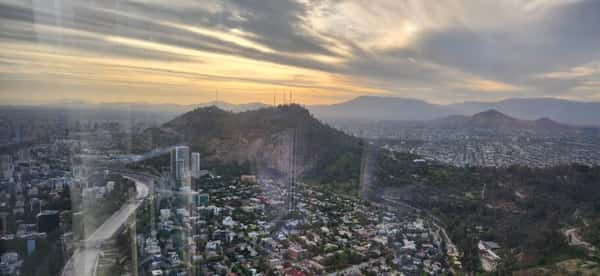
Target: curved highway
85, 259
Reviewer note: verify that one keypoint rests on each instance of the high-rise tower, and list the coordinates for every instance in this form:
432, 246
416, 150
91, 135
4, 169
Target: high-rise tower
195, 164
180, 165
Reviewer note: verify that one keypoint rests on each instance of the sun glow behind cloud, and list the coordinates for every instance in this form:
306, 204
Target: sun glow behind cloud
202, 71
83, 74
323, 51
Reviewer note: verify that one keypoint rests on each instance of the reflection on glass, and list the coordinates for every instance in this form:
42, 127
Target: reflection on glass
294, 137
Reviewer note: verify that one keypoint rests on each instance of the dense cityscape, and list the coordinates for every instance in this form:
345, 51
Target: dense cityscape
482, 147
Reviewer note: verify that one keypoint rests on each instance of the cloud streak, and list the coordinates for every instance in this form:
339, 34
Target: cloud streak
324, 50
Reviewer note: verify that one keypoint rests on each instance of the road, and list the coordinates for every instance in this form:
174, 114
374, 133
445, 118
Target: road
85, 259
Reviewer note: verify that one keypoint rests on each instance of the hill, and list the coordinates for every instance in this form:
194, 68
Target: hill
564, 111
523, 209
500, 122
263, 139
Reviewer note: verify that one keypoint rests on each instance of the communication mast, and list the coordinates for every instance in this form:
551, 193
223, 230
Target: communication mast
292, 174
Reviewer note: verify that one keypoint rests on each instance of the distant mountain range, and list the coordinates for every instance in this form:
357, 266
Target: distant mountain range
402, 109
372, 108
381, 108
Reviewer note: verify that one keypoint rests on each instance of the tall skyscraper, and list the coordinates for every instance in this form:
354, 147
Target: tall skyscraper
180, 165
195, 164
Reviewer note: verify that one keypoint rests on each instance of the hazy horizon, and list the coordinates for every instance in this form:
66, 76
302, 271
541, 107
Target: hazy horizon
279, 101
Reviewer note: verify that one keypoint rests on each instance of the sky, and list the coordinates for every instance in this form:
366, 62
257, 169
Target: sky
321, 51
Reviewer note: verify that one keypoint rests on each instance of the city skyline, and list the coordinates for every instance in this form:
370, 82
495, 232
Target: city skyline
324, 52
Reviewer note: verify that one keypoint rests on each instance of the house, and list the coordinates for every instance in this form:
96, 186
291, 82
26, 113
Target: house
296, 252
248, 178
489, 259
294, 272
229, 222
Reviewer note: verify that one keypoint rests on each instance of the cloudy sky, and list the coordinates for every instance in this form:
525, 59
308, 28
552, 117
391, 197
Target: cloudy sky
323, 51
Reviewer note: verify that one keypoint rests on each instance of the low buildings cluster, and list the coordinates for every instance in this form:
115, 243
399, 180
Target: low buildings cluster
503, 151
247, 227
